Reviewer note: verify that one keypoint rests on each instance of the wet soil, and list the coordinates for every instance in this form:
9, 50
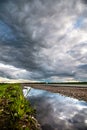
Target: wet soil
72, 91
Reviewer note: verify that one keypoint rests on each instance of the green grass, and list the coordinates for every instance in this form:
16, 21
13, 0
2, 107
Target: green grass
15, 111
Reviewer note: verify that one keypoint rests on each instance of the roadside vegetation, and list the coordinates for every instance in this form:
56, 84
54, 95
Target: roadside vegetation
16, 112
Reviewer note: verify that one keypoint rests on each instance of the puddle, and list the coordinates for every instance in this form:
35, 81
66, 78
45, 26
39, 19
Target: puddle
57, 112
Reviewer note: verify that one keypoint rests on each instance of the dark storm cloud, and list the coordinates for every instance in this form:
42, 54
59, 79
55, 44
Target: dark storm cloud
3, 1
84, 1
38, 36
79, 52
84, 67
5, 75
82, 70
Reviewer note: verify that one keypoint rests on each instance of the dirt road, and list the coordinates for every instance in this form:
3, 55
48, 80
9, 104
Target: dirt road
79, 92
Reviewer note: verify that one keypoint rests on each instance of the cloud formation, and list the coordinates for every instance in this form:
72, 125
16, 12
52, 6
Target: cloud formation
47, 39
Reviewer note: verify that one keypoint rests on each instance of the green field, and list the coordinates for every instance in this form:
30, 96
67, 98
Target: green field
16, 112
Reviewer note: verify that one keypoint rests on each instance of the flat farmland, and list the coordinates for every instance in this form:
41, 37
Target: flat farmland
78, 91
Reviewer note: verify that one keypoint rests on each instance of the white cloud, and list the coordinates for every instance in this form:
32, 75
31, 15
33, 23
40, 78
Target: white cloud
12, 71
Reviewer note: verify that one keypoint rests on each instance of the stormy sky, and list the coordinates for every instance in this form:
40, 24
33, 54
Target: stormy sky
43, 40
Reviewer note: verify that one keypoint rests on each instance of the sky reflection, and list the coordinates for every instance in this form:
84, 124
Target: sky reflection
57, 112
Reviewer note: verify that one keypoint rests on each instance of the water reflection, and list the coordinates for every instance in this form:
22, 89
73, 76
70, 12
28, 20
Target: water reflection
57, 112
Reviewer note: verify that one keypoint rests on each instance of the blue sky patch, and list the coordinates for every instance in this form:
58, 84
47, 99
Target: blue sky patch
5, 32
79, 22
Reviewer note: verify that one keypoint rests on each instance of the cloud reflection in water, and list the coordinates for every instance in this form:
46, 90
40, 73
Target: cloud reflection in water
57, 112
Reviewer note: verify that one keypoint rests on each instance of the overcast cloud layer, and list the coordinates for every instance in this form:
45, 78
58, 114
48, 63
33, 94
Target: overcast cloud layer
43, 40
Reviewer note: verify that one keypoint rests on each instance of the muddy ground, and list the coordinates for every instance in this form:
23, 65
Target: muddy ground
79, 92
